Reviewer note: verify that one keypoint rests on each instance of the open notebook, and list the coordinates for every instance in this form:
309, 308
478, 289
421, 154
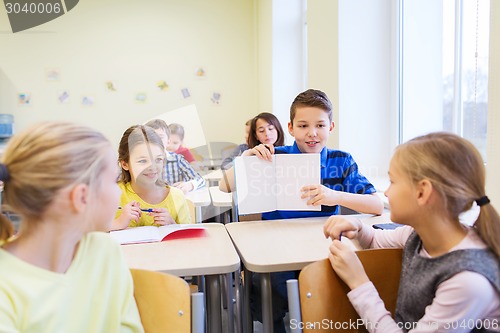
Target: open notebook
148, 234
264, 186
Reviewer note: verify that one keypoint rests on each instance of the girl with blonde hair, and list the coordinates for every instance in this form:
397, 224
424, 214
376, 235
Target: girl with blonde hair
450, 279
60, 272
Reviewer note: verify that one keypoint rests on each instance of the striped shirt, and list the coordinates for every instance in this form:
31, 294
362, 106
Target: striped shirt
339, 172
177, 169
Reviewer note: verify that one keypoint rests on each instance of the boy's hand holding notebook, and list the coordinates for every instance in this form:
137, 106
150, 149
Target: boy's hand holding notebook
264, 186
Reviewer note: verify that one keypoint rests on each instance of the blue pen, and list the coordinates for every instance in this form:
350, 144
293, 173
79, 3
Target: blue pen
340, 237
148, 210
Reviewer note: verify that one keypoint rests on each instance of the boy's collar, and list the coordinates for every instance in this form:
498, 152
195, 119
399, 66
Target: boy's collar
322, 155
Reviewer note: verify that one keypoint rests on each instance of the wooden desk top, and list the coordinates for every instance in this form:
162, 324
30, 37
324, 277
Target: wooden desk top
213, 253
284, 245
219, 198
200, 197
214, 175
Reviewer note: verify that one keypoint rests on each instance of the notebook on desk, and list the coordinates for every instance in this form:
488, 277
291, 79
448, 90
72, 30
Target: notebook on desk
149, 234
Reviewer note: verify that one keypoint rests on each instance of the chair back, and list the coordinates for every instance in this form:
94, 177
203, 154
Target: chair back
323, 294
221, 149
250, 217
192, 210
164, 301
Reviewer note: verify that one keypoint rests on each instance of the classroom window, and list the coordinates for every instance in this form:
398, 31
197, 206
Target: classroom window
444, 68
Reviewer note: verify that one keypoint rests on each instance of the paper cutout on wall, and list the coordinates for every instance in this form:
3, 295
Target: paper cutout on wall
63, 97
215, 98
88, 100
24, 98
52, 74
110, 86
185, 93
141, 97
162, 85
200, 72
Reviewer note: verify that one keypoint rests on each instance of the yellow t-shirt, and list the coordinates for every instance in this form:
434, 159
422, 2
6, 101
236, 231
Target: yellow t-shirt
95, 295
175, 202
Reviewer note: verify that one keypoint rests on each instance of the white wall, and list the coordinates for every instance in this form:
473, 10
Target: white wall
493, 151
423, 70
367, 110
288, 70
135, 44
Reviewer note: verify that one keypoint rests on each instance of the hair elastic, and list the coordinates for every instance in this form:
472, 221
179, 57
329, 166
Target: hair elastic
4, 173
482, 201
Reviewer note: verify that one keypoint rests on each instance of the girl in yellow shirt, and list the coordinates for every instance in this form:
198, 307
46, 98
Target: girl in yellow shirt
60, 272
146, 199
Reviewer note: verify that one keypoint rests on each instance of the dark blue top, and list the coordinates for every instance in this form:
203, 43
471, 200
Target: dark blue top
339, 172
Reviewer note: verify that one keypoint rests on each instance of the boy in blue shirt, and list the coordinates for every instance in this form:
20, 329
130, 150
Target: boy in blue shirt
341, 182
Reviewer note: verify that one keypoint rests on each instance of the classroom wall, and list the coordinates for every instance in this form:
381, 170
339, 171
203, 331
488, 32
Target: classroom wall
493, 140
134, 45
288, 58
367, 110
264, 61
323, 55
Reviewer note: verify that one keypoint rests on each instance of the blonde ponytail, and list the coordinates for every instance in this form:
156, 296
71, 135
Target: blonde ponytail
456, 170
487, 226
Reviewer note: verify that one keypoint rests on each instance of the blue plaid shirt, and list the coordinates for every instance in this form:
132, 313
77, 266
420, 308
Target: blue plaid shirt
339, 172
178, 169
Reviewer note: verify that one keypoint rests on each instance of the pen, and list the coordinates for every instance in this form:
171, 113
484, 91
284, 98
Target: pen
148, 210
340, 237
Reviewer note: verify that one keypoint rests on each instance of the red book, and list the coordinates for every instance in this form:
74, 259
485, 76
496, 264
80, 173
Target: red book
149, 234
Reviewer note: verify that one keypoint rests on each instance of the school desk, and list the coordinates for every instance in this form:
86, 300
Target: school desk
213, 177
281, 245
212, 255
200, 198
223, 201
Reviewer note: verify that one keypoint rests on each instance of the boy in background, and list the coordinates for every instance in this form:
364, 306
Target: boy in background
341, 184
176, 141
179, 172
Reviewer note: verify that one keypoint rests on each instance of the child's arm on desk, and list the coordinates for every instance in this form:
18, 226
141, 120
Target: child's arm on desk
262, 151
363, 203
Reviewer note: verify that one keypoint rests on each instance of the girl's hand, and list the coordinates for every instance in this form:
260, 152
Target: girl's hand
346, 264
262, 151
184, 186
342, 225
319, 195
130, 212
161, 216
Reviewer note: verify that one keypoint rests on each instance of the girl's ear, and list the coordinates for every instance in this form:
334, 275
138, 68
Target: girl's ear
124, 165
79, 197
290, 128
424, 190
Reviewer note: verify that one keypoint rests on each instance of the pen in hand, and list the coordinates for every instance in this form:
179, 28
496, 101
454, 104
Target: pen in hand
147, 210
